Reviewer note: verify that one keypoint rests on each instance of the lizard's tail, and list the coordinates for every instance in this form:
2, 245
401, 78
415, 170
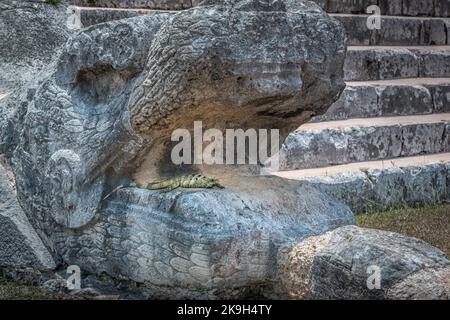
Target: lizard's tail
159, 185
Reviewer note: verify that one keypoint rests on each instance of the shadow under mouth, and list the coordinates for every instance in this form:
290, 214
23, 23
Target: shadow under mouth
266, 69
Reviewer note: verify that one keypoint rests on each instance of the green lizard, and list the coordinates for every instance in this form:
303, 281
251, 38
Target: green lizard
188, 181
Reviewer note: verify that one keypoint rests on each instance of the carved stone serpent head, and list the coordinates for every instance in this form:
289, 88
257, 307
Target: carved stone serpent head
121, 88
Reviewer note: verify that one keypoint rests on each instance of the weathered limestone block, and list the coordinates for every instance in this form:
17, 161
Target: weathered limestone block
102, 118
396, 31
355, 102
371, 63
435, 63
32, 33
391, 7
447, 29
395, 63
381, 64
419, 7
339, 263
361, 100
383, 189
356, 29
78, 115
392, 100
304, 149
91, 16
442, 8
142, 4
238, 81
348, 6
413, 8
84, 108
202, 243
20, 245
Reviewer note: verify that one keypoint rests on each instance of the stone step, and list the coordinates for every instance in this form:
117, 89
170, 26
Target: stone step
396, 30
435, 8
383, 185
431, 8
316, 145
356, 167
135, 4
95, 15
386, 98
382, 63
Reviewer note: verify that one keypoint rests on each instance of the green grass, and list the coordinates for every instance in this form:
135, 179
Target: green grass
14, 290
431, 224
11, 290
53, 2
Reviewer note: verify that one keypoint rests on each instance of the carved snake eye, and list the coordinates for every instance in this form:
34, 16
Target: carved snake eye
64, 178
71, 205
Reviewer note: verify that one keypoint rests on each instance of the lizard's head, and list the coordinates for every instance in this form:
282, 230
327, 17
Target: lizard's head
214, 183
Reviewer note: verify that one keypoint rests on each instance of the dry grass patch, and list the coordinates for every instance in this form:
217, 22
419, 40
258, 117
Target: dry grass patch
431, 224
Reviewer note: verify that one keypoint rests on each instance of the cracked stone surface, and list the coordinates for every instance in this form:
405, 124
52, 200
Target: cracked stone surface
108, 107
380, 189
32, 34
338, 263
144, 4
322, 144
20, 245
102, 115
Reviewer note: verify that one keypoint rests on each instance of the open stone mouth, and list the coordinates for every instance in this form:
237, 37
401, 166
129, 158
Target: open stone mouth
267, 70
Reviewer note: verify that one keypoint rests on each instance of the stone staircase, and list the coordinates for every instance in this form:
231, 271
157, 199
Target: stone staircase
386, 142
